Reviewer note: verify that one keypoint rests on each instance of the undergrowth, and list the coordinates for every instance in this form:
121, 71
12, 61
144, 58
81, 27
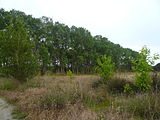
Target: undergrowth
108, 101
145, 106
8, 84
18, 114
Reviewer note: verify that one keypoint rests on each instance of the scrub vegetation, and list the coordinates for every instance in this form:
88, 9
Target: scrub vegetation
49, 71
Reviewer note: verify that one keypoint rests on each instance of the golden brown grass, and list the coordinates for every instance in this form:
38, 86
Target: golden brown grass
129, 76
27, 97
55, 97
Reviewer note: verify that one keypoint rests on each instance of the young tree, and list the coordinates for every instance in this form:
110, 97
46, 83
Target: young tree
143, 67
105, 68
16, 50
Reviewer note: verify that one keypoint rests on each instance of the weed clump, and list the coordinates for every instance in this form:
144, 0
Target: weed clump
128, 89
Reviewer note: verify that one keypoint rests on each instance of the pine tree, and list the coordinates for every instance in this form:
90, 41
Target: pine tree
17, 58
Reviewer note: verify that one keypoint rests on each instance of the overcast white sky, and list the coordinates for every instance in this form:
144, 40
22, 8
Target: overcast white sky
130, 23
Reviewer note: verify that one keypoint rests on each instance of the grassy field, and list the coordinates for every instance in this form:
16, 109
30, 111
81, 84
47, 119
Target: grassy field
81, 97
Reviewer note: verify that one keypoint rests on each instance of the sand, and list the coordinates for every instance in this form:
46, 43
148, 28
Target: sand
5, 110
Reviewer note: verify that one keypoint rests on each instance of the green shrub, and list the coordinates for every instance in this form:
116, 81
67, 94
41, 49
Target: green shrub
17, 55
143, 66
70, 74
105, 68
128, 89
143, 81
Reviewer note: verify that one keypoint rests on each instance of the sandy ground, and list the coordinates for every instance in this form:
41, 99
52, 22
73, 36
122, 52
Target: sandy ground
5, 111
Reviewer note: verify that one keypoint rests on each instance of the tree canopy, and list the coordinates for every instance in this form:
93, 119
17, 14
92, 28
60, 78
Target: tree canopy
61, 48
16, 50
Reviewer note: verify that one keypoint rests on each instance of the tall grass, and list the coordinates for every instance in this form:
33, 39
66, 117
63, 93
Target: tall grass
57, 98
8, 84
146, 106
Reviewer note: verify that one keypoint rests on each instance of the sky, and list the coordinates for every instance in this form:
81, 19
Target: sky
130, 23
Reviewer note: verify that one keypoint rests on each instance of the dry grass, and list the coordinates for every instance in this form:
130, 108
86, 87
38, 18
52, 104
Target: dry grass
129, 76
55, 97
28, 96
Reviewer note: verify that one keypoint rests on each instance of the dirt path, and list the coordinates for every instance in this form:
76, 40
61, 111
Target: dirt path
5, 111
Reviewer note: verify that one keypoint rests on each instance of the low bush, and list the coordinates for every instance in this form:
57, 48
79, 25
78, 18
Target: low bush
128, 89
116, 85
70, 74
143, 67
105, 68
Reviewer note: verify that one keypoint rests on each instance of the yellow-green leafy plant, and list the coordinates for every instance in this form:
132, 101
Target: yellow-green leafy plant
70, 74
105, 68
128, 89
143, 67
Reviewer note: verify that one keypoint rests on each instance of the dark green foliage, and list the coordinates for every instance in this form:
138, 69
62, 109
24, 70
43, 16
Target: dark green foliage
17, 57
116, 85
63, 48
156, 67
44, 58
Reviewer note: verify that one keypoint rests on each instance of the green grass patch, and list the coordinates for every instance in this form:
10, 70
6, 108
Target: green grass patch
98, 107
18, 114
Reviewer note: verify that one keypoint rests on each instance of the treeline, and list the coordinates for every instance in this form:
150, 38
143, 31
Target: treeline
61, 48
